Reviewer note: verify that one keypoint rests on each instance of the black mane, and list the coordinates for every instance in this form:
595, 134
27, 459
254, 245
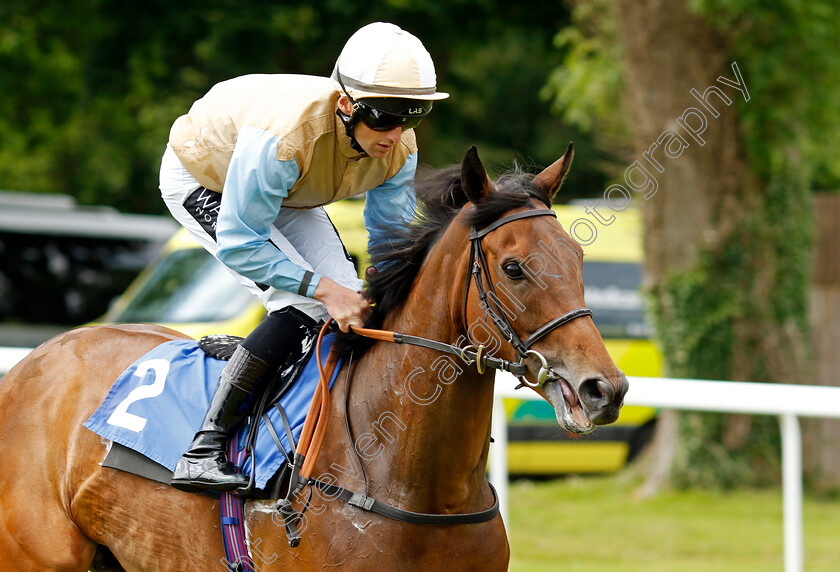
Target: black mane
439, 199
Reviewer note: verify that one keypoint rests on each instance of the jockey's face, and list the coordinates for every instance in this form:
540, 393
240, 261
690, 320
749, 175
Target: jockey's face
377, 144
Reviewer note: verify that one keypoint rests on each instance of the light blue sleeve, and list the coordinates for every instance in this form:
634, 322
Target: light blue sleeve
255, 187
390, 203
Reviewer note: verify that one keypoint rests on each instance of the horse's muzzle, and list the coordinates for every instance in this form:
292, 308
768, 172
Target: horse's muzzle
602, 400
595, 402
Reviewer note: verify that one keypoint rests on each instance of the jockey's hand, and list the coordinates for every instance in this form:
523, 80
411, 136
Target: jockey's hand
344, 305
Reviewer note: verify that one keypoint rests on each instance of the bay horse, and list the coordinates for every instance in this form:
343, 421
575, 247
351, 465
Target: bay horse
485, 268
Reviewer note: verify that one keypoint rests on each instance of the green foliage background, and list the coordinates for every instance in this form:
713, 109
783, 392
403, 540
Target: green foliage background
790, 131
787, 48
91, 87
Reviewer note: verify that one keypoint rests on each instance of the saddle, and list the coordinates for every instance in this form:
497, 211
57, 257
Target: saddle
221, 347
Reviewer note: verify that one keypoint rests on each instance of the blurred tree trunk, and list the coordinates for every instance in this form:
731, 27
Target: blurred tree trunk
720, 240
821, 454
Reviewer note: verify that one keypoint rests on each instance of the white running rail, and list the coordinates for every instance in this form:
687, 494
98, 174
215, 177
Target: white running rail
10, 356
788, 402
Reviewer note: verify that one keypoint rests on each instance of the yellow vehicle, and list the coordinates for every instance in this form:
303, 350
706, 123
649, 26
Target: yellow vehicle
187, 289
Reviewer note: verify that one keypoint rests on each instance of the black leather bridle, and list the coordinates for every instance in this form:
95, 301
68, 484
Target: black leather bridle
471, 354
478, 262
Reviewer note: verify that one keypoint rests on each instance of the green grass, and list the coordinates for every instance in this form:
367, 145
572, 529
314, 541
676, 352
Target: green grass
598, 525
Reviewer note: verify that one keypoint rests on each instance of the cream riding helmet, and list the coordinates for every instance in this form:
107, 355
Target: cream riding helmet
389, 78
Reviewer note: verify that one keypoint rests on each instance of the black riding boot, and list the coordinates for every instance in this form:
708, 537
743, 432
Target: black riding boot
205, 465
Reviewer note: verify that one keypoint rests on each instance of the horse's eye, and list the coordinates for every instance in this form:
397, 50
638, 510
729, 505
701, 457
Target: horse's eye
513, 270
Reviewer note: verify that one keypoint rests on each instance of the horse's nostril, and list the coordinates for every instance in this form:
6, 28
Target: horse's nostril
596, 393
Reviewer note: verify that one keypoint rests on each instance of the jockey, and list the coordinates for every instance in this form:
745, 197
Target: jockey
247, 171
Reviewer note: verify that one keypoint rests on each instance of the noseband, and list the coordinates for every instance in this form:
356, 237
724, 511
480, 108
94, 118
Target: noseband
478, 262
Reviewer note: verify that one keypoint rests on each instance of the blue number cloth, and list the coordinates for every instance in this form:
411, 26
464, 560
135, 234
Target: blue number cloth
158, 403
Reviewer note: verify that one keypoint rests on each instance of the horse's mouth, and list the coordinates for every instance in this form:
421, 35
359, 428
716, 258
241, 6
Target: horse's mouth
567, 406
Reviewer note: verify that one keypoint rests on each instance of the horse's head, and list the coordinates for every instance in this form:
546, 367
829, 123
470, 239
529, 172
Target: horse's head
525, 282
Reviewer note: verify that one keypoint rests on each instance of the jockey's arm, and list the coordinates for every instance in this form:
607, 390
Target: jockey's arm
385, 205
390, 204
255, 187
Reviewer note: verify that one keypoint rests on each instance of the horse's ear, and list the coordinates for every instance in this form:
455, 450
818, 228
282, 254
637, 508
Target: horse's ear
474, 179
553, 176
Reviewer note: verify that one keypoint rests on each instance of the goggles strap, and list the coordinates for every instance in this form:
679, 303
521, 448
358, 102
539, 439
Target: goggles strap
349, 128
349, 121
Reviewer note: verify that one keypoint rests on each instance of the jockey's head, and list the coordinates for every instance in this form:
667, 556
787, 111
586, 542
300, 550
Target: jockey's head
386, 79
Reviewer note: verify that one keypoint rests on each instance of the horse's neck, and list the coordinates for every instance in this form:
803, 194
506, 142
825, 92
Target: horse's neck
435, 407
428, 426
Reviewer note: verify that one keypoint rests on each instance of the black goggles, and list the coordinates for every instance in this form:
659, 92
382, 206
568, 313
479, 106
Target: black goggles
390, 113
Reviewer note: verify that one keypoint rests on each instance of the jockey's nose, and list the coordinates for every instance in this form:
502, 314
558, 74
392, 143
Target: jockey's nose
395, 134
602, 399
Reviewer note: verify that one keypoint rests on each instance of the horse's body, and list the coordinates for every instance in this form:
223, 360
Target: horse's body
420, 423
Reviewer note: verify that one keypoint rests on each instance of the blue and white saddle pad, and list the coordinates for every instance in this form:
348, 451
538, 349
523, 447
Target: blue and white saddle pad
158, 403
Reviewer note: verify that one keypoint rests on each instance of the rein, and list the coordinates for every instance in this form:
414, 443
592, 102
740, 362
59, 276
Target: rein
314, 429
470, 356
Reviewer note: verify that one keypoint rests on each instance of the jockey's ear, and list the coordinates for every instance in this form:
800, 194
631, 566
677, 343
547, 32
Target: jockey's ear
474, 179
345, 105
553, 176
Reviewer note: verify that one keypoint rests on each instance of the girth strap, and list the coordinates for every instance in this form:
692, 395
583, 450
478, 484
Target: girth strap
368, 503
